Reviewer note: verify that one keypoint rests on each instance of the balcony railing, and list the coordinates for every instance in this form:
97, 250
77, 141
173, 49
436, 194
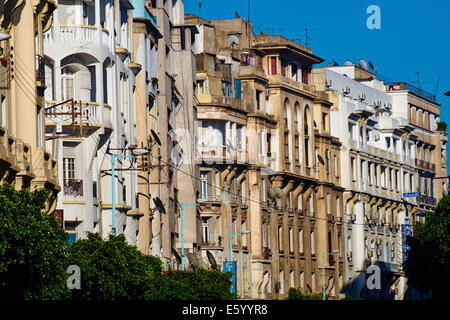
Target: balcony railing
427, 200
77, 33
73, 187
393, 86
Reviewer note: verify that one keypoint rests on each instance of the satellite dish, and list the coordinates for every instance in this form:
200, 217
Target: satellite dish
211, 260
348, 63
193, 261
159, 205
155, 137
4, 36
271, 193
320, 159
363, 64
233, 41
177, 256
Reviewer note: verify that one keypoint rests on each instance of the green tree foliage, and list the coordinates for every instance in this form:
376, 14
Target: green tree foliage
295, 294
35, 255
32, 247
114, 270
198, 285
428, 265
441, 126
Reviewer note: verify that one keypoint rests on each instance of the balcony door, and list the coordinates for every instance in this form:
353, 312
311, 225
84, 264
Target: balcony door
68, 84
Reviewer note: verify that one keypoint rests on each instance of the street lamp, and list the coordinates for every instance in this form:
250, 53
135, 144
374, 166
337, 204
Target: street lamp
323, 269
136, 152
182, 230
237, 234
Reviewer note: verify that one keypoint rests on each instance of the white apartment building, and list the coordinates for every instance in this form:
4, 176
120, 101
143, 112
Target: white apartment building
89, 59
377, 166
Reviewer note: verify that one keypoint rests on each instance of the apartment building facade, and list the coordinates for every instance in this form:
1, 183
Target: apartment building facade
379, 148
268, 163
25, 161
90, 71
421, 110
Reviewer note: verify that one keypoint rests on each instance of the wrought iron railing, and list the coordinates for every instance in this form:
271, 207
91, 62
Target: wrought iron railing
73, 187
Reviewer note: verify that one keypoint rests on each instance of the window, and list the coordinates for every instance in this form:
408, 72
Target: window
233, 226
300, 241
259, 104
201, 87
263, 191
264, 235
207, 230
294, 72
280, 239
67, 79
328, 203
68, 168
273, 65
306, 75
313, 245
291, 241
338, 206
205, 185
335, 166
226, 88
237, 88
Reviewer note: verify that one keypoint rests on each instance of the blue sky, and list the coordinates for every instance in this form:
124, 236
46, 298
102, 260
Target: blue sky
414, 35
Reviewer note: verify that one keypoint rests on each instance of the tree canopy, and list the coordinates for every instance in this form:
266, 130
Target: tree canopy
428, 265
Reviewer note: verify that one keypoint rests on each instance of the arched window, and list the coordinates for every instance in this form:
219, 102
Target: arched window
307, 125
287, 127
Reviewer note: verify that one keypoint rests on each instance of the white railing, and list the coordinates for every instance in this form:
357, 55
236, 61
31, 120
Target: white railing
77, 33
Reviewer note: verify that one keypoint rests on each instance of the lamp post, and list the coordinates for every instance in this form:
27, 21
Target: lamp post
136, 152
182, 230
237, 234
323, 269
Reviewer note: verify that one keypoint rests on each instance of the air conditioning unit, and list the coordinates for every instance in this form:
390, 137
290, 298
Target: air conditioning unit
362, 96
346, 90
377, 136
328, 83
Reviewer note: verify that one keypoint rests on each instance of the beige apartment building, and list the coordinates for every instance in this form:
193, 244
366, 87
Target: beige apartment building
24, 158
269, 167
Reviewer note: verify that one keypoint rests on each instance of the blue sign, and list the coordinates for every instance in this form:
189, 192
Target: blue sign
231, 266
407, 233
410, 194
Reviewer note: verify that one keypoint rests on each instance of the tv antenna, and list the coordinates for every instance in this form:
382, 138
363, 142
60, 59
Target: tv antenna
306, 36
435, 92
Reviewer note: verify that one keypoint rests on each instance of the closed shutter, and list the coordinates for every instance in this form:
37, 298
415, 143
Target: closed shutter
237, 88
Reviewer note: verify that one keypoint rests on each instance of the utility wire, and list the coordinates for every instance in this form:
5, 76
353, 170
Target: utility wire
248, 199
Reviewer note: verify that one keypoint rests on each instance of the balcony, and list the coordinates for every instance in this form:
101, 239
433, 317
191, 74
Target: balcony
91, 113
394, 86
72, 33
73, 187
426, 200
425, 165
210, 100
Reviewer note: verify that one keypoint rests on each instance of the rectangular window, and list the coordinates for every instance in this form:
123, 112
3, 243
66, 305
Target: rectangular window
313, 244
201, 87
280, 239
273, 65
263, 191
291, 241
226, 88
205, 230
300, 240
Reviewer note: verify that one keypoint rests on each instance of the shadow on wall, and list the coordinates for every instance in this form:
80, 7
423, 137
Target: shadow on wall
389, 288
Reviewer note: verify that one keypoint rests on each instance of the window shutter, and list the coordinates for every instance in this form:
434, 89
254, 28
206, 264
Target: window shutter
237, 88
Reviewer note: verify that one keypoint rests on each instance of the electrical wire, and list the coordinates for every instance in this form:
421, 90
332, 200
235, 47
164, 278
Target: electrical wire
248, 199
